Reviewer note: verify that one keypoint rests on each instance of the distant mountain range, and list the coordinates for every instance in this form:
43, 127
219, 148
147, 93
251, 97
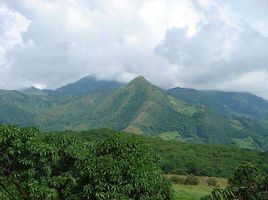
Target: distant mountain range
232, 118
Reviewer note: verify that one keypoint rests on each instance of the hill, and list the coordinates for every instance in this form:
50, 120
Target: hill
86, 85
227, 103
141, 108
184, 158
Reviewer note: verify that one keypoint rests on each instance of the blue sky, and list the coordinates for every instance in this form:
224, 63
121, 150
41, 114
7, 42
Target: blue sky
203, 44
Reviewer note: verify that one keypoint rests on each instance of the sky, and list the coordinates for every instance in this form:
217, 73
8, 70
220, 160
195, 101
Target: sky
202, 44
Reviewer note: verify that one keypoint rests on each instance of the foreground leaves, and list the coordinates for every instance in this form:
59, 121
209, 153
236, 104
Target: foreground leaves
247, 183
59, 166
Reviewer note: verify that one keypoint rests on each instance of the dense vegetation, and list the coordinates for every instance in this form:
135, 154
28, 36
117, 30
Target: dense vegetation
186, 158
106, 164
62, 166
226, 103
143, 108
247, 183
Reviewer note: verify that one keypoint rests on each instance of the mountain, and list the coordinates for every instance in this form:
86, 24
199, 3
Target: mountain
227, 103
33, 91
141, 108
87, 85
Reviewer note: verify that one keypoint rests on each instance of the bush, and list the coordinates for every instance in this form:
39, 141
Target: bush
191, 180
177, 180
212, 182
246, 183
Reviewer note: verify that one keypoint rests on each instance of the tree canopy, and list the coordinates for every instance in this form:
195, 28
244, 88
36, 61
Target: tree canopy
60, 166
247, 183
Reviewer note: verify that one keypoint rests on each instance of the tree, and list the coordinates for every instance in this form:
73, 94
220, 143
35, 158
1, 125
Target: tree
24, 164
60, 166
124, 168
247, 183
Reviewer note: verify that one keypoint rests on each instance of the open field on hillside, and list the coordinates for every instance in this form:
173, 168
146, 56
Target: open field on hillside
191, 192
195, 192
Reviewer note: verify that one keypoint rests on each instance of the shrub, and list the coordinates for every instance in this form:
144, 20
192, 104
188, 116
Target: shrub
177, 180
191, 180
212, 182
246, 183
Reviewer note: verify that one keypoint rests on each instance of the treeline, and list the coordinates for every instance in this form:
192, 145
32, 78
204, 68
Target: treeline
62, 166
205, 159
187, 158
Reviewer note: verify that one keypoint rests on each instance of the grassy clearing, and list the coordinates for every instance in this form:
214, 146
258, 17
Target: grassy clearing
191, 192
195, 192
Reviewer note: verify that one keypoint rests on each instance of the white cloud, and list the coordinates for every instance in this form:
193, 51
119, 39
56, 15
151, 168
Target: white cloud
198, 43
255, 82
205, 3
12, 25
159, 16
108, 39
225, 52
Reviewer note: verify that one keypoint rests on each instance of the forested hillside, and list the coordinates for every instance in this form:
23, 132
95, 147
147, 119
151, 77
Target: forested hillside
142, 108
227, 103
184, 158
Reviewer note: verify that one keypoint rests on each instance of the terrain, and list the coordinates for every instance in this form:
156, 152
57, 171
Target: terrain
139, 107
181, 158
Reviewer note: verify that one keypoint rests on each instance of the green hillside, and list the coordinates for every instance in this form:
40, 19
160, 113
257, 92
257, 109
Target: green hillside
228, 103
137, 107
86, 85
184, 158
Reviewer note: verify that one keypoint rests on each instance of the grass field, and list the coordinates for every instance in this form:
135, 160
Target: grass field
191, 192
195, 192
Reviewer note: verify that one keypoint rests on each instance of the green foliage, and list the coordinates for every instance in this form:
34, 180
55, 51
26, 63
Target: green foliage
247, 183
227, 103
62, 166
125, 169
140, 107
204, 159
186, 158
25, 164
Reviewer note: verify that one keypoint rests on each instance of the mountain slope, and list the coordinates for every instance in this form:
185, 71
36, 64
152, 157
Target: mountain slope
11, 108
87, 85
139, 107
33, 91
228, 103
143, 108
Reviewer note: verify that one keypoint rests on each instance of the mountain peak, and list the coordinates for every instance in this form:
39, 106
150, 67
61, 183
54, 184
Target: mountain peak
140, 80
32, 91
87, 85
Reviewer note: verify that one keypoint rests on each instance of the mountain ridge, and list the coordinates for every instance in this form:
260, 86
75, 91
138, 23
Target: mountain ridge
230, 103
142, 108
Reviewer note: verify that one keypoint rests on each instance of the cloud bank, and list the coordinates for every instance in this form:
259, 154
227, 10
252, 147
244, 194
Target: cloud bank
205, 44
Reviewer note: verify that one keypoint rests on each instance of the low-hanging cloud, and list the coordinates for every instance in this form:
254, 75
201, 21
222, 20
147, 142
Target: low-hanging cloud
198, 43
